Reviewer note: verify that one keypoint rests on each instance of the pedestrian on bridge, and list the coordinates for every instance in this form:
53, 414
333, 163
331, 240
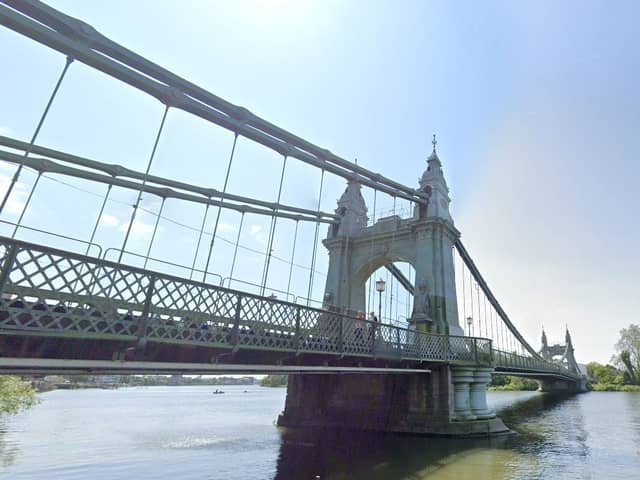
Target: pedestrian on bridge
373, 326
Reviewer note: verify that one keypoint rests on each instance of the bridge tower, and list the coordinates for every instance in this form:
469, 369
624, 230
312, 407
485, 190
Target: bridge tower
558, 353
564, 355
446, 399
425, 241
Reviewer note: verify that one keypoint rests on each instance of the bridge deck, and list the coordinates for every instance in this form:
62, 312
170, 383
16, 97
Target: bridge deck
64, 306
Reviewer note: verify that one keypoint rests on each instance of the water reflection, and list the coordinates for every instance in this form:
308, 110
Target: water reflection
333, 454
632, 403
8, 452
519, 412
336, 455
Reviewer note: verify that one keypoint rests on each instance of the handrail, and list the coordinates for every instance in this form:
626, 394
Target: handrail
514, 360
297, 299
166, 262
383, 339
59, 235
243, 282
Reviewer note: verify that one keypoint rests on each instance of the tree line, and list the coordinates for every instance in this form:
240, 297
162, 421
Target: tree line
623, 373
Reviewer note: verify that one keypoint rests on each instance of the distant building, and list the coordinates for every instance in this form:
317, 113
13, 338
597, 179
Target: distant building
105, 379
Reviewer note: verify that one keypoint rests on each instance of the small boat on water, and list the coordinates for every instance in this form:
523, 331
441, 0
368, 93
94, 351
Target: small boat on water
218, 392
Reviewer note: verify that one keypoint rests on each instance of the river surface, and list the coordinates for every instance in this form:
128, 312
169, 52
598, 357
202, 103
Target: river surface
188, 433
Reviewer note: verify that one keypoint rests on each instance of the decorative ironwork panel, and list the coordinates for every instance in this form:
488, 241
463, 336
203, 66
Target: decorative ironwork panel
186, 329
308, 320
45, 271
386, 341
320, 331
461, 349
100, 319
121, 284
484, 351
357, 337
262, 311
428, 347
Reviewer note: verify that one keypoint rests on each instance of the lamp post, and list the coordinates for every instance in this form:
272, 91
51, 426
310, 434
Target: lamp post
470, 323
380, 284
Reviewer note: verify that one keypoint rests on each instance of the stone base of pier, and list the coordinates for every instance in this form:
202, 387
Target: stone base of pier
446, 401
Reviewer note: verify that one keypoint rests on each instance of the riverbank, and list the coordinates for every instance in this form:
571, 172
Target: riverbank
597, 387
275, 381
613, 387
77, 382
513, 388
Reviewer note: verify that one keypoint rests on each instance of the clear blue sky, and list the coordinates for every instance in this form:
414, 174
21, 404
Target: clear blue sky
535, 104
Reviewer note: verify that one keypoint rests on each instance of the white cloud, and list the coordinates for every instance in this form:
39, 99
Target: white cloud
226, 227
257, 234
107, 220
139, 229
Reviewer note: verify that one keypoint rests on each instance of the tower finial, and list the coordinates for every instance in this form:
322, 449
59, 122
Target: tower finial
434, 142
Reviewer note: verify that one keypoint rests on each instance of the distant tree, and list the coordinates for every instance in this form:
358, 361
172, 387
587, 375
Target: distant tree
15, 395
605, 374
519, 383
274, 381
499, 380
512, 383
628, 348
630, 374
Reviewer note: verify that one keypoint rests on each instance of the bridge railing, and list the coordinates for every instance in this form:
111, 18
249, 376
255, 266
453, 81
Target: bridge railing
512, 360
56, 293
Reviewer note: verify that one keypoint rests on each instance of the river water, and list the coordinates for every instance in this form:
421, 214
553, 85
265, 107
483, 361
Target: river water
188, 433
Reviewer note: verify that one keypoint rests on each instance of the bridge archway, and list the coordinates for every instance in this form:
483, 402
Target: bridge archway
425, 241
396, 302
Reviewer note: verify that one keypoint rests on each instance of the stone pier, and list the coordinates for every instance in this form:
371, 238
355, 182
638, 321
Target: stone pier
447, 401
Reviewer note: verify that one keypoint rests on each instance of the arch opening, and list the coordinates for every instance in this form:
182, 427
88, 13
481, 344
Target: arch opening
394, 305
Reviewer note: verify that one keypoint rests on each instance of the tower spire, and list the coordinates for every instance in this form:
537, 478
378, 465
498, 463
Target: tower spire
433, 183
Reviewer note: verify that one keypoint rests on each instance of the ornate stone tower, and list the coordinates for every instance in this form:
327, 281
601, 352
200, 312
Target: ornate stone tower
544, 351
425, 241
435, 187
560, 353
451, 398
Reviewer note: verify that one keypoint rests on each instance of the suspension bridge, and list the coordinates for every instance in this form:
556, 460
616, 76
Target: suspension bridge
75, 310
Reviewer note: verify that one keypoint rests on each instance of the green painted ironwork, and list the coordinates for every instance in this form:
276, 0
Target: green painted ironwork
54, 293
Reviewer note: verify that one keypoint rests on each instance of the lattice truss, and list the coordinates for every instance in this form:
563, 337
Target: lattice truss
54, 293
